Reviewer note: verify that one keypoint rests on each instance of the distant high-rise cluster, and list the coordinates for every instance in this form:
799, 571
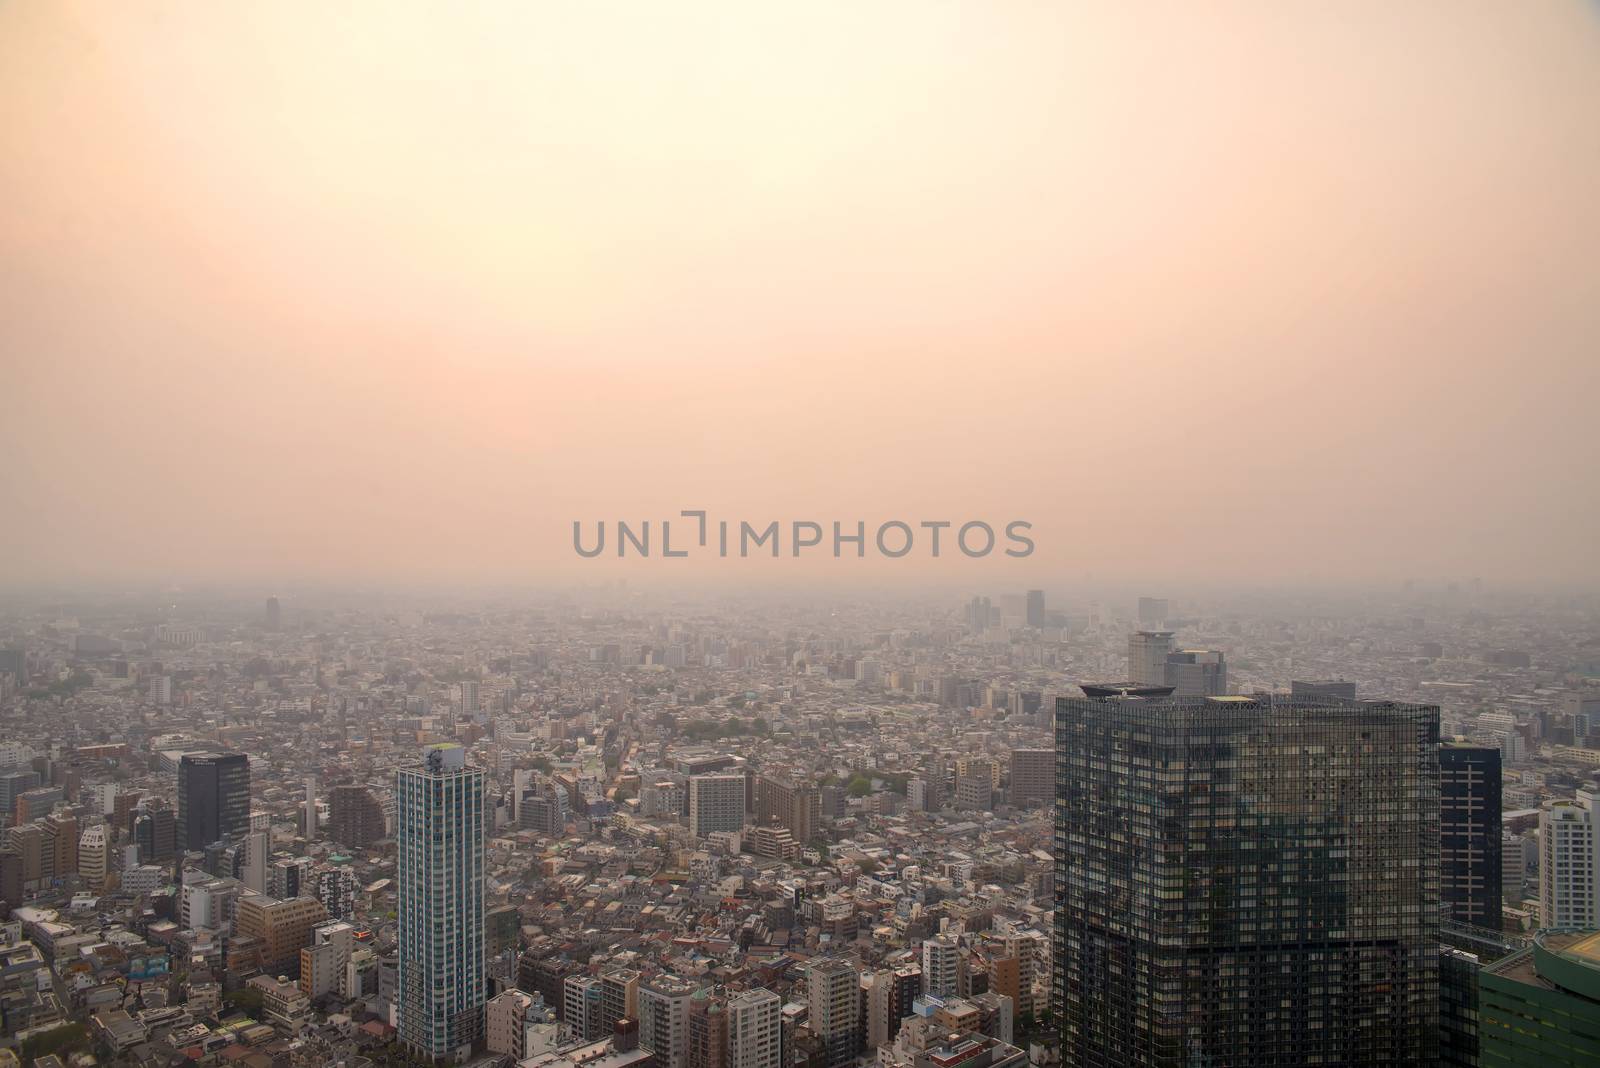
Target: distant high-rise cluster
1189, 672
1147, 657
1197, 673
834, 835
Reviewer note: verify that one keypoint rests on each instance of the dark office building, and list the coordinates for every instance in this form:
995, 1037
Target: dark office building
1458, 1007
1469, 834
12, 869
1465, 952
13, 784
356, 819
1035, 608
155, 832
1323, 688
1032, 777
213, 799
1246, 881
906, 990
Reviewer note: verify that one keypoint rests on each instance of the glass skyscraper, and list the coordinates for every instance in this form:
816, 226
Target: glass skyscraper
1246, 881
213, 799
440, 835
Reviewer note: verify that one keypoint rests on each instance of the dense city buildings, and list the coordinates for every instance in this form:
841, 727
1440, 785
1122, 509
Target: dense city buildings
440, 833
883, 855
835, 535
1212, 905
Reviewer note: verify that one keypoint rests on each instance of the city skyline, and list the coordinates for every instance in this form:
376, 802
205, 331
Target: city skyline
796, 832
908, 534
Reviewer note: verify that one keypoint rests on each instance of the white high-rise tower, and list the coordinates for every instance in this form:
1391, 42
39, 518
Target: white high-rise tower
1147, 657
1569, 863
755, 1030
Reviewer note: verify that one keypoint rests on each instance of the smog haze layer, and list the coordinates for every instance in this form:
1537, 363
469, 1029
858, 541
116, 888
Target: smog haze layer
1264, 292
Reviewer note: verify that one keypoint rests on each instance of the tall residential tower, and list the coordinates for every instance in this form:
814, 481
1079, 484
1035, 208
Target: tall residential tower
440, 834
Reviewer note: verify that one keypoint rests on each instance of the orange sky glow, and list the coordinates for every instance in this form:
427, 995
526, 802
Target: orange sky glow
1275, 291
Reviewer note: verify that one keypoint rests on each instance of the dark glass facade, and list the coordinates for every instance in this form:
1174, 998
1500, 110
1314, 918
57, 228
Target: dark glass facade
1246, 881
1469, 834
1464, 952
155, 832
213, 799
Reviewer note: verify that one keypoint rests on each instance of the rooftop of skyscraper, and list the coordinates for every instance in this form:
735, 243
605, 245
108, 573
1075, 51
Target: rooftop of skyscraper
1558, 960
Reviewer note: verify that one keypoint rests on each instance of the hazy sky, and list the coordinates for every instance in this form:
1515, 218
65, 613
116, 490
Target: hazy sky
1272, 291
